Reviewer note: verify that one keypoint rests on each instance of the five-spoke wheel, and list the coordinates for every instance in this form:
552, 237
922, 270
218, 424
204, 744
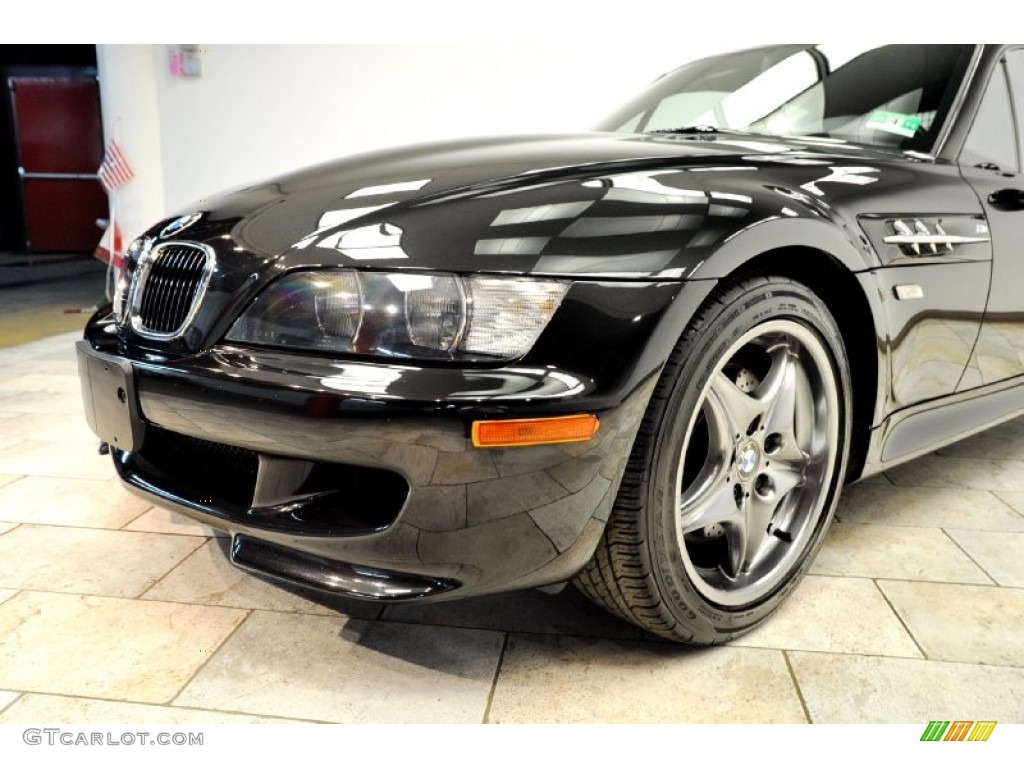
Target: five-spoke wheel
759, 448
736, 469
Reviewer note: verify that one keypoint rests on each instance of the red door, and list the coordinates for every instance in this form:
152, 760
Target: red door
60, 146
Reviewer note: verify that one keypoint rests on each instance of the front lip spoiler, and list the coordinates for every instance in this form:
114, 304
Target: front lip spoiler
310, 571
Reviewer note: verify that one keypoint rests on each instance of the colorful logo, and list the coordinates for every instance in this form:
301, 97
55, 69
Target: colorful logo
958, 730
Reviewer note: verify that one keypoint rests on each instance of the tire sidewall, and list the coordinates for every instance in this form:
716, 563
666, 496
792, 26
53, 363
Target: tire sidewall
745, 308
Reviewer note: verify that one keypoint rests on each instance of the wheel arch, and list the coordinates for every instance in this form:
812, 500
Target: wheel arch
634, 572
821, 236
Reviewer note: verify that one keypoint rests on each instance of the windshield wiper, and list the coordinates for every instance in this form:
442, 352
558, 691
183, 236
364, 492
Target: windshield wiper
694, 129
705, 130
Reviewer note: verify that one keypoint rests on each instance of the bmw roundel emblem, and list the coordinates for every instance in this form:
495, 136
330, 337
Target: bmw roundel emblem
180, 223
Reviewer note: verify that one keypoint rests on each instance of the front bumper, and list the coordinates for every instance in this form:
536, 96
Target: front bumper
362, 479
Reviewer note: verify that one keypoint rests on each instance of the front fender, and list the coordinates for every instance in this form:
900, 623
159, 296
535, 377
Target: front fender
808, 237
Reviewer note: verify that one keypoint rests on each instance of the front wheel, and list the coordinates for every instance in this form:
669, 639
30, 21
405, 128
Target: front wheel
736, 470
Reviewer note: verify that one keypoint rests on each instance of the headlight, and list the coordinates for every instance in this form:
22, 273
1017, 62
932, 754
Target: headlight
389, 314
124, 277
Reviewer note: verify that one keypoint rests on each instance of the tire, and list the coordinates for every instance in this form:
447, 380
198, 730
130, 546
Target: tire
736, 470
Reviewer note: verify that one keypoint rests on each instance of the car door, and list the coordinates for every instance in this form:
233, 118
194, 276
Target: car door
59, 146
990, 162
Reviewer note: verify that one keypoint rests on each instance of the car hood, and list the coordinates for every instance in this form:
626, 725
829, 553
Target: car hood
477, 184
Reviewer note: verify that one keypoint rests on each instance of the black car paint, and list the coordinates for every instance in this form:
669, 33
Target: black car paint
645, 227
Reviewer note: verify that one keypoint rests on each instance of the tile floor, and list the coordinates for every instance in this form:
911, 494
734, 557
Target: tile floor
45, 294
115, 611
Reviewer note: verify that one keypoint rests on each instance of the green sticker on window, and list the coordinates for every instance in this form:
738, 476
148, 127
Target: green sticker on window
895, 122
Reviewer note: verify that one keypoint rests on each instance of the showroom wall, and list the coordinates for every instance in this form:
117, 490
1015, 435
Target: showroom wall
259, 110
129, 98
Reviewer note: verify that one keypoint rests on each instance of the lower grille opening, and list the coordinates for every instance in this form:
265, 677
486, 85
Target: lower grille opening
345, 495
198, 471
333, 499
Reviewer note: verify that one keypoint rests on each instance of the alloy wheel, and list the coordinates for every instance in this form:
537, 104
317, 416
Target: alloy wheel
756, 462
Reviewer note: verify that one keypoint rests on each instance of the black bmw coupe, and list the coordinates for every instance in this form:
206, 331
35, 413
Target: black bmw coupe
646, 358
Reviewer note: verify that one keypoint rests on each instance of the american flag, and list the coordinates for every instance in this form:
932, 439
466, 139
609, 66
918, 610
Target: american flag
115, 171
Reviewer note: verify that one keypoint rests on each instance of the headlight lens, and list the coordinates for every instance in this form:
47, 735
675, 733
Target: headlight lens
390, 314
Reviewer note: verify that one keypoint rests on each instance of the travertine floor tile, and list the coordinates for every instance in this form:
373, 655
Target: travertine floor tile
106, 647
928, 508
5, 527
565, 613
944, 472
43, 708
55, 459
207, 577
16, 380
53, 427
88, 561
546, 679
982, 625
1014, 500
866, 689
886, 551
839, 615
347, 670
44, 402
159, 520
65, 501
59, 347
1000, 554
6, 697
6, 594
6, 479
62, 367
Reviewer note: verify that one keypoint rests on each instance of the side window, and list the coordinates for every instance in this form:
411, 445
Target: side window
1015, 63
992, 139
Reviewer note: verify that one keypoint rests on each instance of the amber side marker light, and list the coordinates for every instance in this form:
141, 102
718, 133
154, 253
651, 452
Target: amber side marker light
516, 432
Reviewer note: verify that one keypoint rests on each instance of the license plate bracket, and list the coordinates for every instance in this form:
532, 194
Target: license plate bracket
109, 398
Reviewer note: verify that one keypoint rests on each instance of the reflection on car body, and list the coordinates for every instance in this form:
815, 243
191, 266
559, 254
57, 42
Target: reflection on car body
646, 357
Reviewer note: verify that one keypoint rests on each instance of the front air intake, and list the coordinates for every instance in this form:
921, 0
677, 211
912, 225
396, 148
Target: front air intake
169, 286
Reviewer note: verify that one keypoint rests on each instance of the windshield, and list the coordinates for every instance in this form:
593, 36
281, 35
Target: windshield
894, 96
